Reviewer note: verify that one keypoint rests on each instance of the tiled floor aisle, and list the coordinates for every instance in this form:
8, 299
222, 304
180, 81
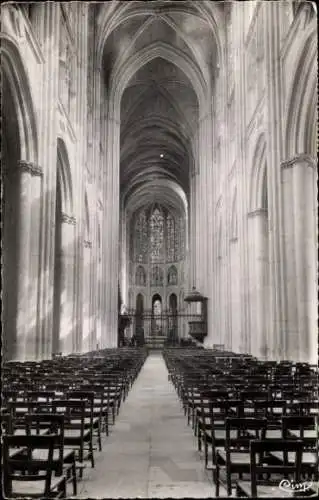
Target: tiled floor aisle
151, 452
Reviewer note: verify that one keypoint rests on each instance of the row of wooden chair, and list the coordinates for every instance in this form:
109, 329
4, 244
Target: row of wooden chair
244, 420
52, 428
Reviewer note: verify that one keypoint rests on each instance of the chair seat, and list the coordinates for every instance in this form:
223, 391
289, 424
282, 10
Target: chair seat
273, 434
16, 451
270, 433
97, 411
307, 433
43, 454
308, 458
87, 421
35, 487
236, 457
264, 490
75, 433
22, 432
219, 433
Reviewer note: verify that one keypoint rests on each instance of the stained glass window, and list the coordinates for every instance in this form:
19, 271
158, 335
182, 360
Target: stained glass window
141, 238
171, 239
157, 236
180, 239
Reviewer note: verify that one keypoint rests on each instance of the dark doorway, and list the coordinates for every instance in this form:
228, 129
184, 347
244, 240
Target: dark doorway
139, 321
172, 333
157, 326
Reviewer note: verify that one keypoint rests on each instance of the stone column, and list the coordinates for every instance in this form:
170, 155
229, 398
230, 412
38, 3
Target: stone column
115, 234
36, 188
92, 293
100, 281
206, 166
274, 134
259, 291
192, 234
86, 289
79, 114
299, 212
235, 295
111, 234
241, 166
67, 333
25, 341
48, 32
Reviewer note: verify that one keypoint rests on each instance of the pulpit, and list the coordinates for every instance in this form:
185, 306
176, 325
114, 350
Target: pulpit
198, 321
123, 322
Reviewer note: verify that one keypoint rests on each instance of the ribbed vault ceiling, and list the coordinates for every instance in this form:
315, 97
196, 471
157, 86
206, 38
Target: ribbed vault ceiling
159, 106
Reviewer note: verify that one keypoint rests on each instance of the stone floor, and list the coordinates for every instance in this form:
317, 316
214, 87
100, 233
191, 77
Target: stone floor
151, 452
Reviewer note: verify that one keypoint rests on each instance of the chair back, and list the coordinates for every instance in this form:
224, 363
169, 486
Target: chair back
73, 411
41, 396
260, 464
247, 428
272, 410
19, 466
55, 425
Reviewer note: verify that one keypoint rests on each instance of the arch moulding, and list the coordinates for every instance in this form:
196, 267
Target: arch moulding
14, 70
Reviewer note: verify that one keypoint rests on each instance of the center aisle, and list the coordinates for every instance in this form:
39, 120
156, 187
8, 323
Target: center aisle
151, 452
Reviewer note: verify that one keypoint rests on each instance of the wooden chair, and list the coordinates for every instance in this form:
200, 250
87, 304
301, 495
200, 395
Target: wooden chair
25, 476
258, 487
92, 420
100, 410
201, 407
76, 436
273, 411
40, 396
304, 428
19, 409
63, 459
113, 395
303, 408
235, 458
214, 432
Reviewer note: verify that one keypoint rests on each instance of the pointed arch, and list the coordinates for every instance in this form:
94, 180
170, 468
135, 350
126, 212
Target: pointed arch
258, 188
157, 276
65, 178
114, 15
302, 98
140, 276
122, 76
139, 304
172, 274
13, 68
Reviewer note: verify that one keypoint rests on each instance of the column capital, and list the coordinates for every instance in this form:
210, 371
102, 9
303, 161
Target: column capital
29, 166
68, 219
258, 211
87, 244
303, 158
